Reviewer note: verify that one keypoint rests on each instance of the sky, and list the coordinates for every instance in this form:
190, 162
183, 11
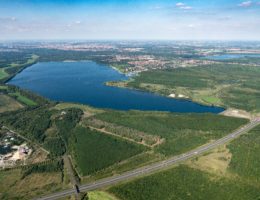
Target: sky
130, 19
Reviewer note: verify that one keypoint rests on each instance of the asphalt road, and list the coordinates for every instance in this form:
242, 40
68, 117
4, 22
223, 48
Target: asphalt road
153, 167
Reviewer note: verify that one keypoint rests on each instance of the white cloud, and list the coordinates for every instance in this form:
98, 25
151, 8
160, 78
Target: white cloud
183, 6
78, 22
180, 4
186, 7
246, 4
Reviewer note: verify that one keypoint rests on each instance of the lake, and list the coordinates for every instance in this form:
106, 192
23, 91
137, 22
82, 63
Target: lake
232, 56
84, 82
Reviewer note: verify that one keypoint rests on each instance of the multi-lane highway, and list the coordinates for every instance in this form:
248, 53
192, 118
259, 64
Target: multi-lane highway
154, 167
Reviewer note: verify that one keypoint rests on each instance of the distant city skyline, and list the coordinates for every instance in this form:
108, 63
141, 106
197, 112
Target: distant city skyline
129, 20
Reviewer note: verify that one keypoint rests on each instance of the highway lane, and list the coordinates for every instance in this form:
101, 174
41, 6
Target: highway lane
154, 167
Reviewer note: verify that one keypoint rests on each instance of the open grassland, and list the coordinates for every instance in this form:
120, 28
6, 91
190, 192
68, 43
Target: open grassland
14, 186
187, 183
181, 132
8, 104
23, 99
3, 87
215, 162
94, 151
3, 73
227, 85
100, 195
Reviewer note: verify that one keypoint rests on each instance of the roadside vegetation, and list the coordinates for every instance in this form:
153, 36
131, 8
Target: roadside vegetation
14, 185
183, 182
100, 195
245, 156
230, 171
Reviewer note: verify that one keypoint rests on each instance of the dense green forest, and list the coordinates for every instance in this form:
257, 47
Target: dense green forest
94, 151
66, 121
245, 156
7, 58
53, 166
65, 131
186, 183
182, 132
30, 122
235, 85
241, 180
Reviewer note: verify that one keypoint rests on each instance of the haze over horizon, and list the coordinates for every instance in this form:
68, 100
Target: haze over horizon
130, 20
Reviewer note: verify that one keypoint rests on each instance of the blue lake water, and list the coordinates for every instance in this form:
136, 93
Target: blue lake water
231, 56
84, 82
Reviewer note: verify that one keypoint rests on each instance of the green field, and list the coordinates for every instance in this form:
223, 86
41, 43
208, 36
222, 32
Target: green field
182, 132
211, 100
94, 151
32, 124
23, 99
227, 85
3, 87
186, 183
3, 74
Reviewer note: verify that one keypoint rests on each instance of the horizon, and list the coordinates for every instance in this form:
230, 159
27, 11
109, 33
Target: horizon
167, 20
128, 40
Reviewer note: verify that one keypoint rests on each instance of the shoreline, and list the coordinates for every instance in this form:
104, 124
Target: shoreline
226, 111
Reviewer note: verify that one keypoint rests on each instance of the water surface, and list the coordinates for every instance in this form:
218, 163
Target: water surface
232, 56
83, 82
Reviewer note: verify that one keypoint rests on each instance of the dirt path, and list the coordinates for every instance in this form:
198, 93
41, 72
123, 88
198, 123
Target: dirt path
159, 141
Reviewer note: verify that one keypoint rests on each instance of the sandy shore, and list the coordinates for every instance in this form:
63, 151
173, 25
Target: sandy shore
237, 113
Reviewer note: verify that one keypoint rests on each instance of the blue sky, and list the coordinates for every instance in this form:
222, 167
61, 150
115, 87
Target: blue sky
130, 19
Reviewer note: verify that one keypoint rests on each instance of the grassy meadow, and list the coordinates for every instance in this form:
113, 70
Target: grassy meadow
8, 104
23, 99
14, 186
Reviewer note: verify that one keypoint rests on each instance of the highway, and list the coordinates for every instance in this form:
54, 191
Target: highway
155, 166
